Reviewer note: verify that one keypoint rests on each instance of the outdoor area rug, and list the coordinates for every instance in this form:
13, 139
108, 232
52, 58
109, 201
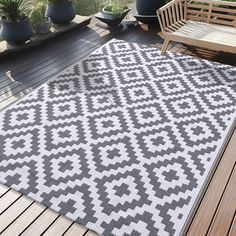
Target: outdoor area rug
123, 142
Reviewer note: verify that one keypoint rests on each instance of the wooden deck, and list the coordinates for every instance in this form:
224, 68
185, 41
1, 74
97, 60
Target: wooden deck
20, 74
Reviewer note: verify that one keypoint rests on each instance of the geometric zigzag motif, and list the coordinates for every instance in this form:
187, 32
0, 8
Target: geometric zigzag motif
123, 141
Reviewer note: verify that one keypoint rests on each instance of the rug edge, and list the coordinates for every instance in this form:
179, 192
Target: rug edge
209, 177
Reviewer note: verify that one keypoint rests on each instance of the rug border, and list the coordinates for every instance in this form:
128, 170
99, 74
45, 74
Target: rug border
209, 178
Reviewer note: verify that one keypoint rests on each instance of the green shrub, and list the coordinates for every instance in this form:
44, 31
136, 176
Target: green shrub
37, 14
57, 1
89, 7
14, 10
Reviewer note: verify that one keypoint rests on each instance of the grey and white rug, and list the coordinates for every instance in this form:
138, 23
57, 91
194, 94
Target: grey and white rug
122, 142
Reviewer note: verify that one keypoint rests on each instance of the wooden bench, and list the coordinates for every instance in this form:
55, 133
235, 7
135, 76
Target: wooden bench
204, 23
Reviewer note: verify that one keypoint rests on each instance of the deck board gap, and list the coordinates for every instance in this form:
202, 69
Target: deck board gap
49, 225
222, 196
10, 223
72, 222
4, 191
7, 205
33, 222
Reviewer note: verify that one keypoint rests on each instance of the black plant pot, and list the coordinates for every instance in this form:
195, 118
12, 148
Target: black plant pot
149, 7
60, 13
110, 19
16, 32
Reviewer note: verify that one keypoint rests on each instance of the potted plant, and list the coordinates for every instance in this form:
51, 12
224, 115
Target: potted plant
147, 10
113, 13
41, 24
60, 11
149, 7
16, 27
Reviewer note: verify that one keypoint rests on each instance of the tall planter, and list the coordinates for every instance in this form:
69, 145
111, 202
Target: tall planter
149, 7
60, 13
16, 32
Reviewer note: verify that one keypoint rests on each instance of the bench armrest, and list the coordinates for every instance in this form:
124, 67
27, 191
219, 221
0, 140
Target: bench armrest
172, 15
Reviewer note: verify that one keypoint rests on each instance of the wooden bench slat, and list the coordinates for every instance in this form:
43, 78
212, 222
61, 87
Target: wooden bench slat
197, 6
200, 12
225, 10
222, 22
224, 16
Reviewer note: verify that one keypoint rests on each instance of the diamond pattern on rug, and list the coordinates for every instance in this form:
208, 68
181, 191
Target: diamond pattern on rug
206, 77
19, 117
137, 74
96, 64
113, 154
199, 131
172, 86
102, 101
112, 123
163, 69
218, 98
63, 87
192, 64
138, 93
61, 135
187, 105
122, 191
102, 80
123, 141
147, 115
126, 59
158, 143
64, 108
20, 144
